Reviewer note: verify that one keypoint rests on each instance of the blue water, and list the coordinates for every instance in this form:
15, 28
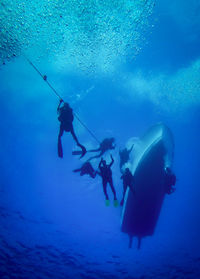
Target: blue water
121, 76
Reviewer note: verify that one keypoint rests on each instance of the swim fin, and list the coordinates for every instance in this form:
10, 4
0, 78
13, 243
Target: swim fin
116, 203
60, 150
107, 202
82, 153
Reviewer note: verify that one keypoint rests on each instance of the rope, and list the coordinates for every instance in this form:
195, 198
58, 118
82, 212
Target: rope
44, 78
89, 131
56, 93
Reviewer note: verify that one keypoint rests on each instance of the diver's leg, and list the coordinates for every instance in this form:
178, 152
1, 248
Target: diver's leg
77, 142
74, 136
60, 150
139, 242
105, 189
112, 188
124, 192
77, 170
132, 188
97, 156
130, 241
91, 172
94, 150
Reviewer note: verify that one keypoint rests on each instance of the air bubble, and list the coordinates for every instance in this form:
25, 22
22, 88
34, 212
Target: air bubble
96, 33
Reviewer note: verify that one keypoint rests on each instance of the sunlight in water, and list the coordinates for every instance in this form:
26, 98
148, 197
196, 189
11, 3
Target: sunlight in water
89, 35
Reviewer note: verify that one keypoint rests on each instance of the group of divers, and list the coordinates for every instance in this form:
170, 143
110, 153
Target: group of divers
66, 118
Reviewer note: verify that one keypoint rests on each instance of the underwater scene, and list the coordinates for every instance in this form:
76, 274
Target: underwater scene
99, 145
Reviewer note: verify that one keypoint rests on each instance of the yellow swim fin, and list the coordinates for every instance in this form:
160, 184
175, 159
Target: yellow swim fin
107, 202
116, 203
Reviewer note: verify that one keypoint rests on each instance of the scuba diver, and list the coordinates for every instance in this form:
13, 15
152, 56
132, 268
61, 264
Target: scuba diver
105, 145
66, 118
128, 181
124, 156
86, 169
106, 174
170, 181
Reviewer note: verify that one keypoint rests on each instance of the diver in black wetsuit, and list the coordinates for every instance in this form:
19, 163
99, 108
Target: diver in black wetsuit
128, 181
66, 118
106, 174
124, 156
86, 169
105, 145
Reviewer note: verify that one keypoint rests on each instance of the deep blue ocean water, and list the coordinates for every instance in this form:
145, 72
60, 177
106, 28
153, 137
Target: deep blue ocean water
120, 77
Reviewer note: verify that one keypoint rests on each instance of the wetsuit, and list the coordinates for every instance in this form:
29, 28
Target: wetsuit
106, 174
128, 181
66, 118
105, 145
124, 156
86, 169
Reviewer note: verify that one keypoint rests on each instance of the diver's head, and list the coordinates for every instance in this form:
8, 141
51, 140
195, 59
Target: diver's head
104, 162
167, 169
127, 170
66, 105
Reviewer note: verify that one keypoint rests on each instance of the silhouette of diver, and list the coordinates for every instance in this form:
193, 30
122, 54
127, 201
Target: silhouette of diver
170, 181
106, 174
131, 241
124, 155
128, 181
86, 169
66, 118
105, 145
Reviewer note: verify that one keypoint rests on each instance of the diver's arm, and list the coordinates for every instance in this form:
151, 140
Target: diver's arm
130, 149
58, 108
111, 161
100, 163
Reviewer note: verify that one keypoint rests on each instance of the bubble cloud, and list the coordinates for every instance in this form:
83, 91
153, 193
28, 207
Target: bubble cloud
89, 35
